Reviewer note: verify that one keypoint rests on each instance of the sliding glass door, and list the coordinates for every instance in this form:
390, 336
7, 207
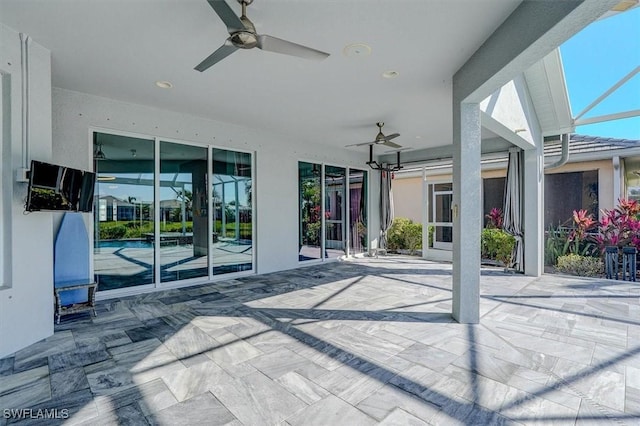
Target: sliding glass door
310, 214
332, 204
357, 211
334, 210
167, 211
124, 212
232, 188
183, 212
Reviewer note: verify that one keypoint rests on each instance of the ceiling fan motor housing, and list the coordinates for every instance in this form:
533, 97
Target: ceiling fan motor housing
244, 39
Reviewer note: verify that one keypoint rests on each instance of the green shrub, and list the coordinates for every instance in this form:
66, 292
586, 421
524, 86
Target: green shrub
114, 232
556, 244
584, 266
404, 234
497, 244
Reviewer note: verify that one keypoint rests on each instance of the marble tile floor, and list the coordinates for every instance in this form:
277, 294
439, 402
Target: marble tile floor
359, 342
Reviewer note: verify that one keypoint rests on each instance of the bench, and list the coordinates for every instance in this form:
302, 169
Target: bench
74, 308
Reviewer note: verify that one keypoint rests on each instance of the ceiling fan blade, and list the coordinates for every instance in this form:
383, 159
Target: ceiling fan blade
277, 45
223, 51
224, 11
361, 144
391, 144
392, 136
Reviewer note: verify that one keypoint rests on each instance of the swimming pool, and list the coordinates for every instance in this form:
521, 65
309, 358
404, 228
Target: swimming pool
124, 244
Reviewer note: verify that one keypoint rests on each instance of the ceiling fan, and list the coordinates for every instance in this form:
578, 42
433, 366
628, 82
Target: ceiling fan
381, 139
242, 35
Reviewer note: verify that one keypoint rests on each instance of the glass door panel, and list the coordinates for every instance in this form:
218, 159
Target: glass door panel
124, 225
443, 216
183, 212
357, 211
232, 249
310, 220
334, 210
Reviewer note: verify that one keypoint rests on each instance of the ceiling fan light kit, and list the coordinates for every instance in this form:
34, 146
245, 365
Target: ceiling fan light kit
243, 35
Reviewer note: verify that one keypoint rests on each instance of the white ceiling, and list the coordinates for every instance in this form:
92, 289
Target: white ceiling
119, 48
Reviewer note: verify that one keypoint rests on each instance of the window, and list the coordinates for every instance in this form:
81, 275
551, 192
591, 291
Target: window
566, 192
493, 195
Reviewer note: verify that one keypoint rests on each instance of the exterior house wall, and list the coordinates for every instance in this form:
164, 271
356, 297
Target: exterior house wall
276, 157
26, 298
408, 199
60, 128
407, 192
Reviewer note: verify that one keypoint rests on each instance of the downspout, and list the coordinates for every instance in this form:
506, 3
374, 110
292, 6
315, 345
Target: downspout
565, 154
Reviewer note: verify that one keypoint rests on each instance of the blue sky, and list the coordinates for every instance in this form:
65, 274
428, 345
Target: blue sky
597, 58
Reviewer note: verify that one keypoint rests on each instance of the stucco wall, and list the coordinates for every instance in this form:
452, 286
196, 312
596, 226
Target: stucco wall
407, 198
277, 156
26, 300
61, 122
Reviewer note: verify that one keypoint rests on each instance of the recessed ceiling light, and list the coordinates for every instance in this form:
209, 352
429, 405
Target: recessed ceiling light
356, 49
390, 74
164, 84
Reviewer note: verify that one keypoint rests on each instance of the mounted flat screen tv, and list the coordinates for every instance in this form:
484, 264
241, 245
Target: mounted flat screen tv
54, 187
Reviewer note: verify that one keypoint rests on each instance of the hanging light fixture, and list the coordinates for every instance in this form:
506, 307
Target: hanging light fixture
383, 166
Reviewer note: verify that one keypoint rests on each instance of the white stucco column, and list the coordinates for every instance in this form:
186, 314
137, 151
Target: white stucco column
467, 212
533, 210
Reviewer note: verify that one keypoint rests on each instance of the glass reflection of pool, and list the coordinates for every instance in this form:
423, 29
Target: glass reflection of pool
124, 244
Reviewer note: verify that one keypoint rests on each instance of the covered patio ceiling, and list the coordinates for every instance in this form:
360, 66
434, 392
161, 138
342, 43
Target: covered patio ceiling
119, 49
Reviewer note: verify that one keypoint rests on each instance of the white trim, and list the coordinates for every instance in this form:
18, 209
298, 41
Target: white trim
609, 91
150, 288
504, 132
608, 117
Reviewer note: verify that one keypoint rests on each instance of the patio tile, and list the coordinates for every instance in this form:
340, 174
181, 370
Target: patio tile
199, 410
68, 381
330, 411
367, 340
255, 399
301, 387
195, 380
399, 417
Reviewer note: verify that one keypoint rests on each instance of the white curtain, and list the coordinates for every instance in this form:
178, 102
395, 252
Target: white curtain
386, 206
513, 198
